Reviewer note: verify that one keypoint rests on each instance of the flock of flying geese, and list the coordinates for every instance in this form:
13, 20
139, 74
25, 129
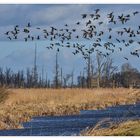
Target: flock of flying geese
89, 29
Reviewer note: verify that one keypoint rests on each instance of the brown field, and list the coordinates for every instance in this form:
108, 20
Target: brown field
22, 104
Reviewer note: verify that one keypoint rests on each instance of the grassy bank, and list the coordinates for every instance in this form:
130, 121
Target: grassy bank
129, 128
22, 104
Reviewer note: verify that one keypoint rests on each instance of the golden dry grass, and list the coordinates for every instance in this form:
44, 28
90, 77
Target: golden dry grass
22, 104
128, 128
72, 96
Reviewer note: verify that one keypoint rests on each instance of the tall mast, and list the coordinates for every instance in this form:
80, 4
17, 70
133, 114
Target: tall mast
35, 65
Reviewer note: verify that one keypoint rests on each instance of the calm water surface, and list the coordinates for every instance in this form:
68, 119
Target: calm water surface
74, 124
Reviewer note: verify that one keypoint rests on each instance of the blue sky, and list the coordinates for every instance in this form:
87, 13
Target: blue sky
20, 54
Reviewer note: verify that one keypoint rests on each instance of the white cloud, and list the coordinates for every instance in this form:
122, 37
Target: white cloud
54, 15
59, 13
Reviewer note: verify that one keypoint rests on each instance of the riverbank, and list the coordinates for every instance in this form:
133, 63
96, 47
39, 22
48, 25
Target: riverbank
22, 104
128, 128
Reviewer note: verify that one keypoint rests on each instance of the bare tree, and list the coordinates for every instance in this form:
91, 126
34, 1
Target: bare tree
100, 64
89, 72
35, 75
61, 77
56, 78
72, 78
108, 71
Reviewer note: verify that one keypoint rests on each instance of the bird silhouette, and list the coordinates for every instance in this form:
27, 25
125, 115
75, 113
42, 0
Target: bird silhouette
89, 30
120, 48
25, 39
57, 49
109, 29
84, 15
110, 37
9, 38
89, 22
77, 36
125, 58
134, 13
38, 37
97, 10
100, 23
78, 23
7, 33
74, 30
26, 30
32, 38
110, 15
91, 15
29, 25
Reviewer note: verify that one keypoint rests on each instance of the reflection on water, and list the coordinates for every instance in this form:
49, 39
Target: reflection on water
74, 124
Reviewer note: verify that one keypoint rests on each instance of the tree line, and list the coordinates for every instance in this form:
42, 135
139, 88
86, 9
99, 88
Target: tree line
99, 72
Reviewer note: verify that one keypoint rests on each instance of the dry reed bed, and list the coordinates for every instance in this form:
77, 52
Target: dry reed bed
128, 128
22, 104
